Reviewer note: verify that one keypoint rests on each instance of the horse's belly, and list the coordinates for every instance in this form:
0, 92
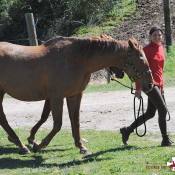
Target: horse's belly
26, 97
27, 94
25, 88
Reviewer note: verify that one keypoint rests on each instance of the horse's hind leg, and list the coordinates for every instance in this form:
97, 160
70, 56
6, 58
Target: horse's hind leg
73, 104
56, 105
44, 117
11, 134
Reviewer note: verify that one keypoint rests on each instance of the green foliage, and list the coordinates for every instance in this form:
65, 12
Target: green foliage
116, 13
64, 17
5, 5
169, 70
90, 12
143, 156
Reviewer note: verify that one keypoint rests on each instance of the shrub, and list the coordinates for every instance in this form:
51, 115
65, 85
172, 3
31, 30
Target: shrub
56, 17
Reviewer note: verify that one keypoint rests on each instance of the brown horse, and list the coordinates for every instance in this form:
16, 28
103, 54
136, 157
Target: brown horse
61, 68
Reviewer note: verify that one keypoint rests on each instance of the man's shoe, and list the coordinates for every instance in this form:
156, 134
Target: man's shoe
125, 135
166, 141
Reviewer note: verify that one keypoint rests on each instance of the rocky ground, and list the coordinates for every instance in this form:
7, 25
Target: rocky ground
149, 13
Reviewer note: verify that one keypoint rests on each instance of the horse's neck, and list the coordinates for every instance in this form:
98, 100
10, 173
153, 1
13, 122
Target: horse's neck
103, 54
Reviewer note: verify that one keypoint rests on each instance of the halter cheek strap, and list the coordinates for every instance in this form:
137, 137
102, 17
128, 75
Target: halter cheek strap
139, 74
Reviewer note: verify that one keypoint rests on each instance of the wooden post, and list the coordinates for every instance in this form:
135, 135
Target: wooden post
108, 75
31, 30
167, 19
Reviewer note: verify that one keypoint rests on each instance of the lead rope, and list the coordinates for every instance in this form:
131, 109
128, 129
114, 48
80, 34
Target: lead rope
141, 105
141, 108
169, 116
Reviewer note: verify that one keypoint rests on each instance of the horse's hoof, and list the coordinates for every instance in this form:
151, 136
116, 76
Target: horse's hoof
24, 150
83, 150
36, 147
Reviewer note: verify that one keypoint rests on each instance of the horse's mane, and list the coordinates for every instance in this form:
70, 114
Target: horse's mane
98, 43
102, 44
52, 41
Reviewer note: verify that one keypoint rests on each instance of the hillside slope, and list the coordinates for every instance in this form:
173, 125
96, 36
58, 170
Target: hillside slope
148, 14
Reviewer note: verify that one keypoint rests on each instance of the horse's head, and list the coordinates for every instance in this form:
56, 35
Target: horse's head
136, 66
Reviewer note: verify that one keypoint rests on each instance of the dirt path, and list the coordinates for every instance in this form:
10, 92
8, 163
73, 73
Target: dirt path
100, 111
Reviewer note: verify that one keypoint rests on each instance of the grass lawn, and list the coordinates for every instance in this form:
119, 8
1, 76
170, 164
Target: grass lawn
143, 155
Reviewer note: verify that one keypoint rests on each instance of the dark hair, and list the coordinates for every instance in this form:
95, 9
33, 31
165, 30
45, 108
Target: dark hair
153, 29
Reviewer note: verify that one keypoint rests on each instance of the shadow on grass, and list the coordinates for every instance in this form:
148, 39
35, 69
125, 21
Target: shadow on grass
8, 150
54, 149
11, 150
123, 148
10, 163
38, 161
92, 157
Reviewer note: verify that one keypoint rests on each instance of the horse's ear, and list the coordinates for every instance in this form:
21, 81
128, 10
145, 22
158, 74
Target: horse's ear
105, 36
133, 43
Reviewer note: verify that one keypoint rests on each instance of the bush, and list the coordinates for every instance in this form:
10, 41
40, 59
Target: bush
55, 17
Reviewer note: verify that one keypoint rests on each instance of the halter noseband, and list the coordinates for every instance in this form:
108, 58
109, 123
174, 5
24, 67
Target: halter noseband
138, 74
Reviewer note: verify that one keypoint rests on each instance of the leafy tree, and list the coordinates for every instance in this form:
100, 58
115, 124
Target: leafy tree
54, 17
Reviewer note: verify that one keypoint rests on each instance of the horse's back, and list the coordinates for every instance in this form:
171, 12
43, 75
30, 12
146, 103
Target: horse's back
35, 72
20, 52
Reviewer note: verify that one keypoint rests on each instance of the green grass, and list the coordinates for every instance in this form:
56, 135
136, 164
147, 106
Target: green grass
169, 71
143, 155
112, 20
112, 86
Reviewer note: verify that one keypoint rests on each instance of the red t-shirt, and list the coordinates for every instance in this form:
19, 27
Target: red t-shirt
156, 58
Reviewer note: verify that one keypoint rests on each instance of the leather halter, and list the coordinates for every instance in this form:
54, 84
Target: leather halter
138, 74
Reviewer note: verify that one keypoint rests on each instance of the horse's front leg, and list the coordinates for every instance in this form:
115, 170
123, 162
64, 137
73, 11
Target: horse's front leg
11, 134
73, 104
56, 105
44, 117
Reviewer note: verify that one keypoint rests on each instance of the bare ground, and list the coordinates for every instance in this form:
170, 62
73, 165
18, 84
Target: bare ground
100, 111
